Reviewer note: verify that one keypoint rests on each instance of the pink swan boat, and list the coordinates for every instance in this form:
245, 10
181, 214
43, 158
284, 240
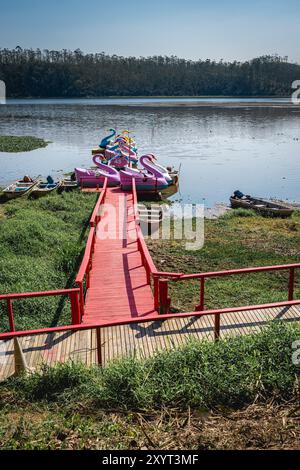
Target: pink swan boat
145, 181
95, 178
149, 164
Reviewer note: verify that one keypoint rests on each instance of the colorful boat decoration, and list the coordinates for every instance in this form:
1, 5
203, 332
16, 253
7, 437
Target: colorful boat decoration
107, 140
118, 162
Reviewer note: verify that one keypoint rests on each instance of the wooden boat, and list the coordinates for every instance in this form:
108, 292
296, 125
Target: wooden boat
262, 206
43, 188
68, 184
19, 188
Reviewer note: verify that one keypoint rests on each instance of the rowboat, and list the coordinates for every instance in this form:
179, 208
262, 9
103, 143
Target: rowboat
68, 184
19, 188
43, 188
262, 206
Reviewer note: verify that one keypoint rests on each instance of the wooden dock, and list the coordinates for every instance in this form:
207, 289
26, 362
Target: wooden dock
139, 340
118, 282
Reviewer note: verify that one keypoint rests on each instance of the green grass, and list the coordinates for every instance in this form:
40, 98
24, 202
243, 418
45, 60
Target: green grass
42, 242
239, 239
72, 406
229, 373
13, 144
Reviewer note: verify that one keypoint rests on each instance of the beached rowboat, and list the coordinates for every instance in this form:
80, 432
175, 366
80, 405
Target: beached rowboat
68, 185
262, 206
43, 188
19, 189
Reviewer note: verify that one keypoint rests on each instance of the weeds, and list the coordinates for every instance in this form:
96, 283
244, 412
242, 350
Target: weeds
42, 242
13, 144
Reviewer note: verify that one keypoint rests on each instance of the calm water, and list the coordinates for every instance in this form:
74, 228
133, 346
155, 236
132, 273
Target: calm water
220, 149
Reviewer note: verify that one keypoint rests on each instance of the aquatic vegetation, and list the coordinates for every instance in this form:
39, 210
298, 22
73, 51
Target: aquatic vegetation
14, 144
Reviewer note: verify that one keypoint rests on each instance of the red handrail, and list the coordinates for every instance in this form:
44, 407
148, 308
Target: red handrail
206, 275
147, 319
72, 293
95, 215
239, 271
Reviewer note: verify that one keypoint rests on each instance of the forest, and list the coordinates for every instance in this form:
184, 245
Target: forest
65, 74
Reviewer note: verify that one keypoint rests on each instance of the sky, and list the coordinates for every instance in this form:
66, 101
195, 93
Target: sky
192, 29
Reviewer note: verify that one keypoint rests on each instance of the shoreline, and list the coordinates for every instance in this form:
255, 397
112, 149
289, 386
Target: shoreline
166, 102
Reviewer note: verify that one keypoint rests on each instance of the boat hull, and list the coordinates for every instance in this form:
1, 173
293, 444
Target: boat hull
18, 189
40, 191
93, 181
263, 207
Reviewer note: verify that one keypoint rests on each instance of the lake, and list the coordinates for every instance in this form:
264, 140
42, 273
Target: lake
220, 149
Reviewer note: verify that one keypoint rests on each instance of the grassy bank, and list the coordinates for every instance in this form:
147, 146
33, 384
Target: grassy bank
14, 144
238, 239
41, 246
163, 402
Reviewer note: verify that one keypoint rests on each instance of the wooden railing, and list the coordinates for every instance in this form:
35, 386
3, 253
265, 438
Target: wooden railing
141, 320
164, 277
96, 212
72, 293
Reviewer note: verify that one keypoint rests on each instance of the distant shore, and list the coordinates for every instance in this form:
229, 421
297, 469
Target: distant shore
217, 105
165, 102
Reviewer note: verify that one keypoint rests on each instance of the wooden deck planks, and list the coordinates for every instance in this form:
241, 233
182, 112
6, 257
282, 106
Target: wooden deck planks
139, 340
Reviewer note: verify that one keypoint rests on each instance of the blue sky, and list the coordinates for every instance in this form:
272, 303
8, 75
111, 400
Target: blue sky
216, 29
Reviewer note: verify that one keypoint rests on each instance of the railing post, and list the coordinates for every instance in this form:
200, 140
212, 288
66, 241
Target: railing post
217, 327
99, 346
148, 274
156, 292
10, 314
76, 320
89, 268
164, 300
291, 283
200, 307
81, 298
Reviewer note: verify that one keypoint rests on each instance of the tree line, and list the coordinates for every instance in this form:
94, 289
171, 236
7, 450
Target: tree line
64, 73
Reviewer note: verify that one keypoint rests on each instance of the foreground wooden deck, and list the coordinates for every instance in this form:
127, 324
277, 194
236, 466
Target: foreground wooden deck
140, 340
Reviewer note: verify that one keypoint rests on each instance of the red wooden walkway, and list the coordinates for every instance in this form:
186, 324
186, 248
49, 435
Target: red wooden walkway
118, 282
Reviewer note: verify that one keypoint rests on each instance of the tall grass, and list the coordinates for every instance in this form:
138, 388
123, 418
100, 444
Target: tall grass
230, 373
41, 246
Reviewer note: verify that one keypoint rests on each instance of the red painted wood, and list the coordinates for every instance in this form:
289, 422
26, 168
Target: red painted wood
147, 319
118, 279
